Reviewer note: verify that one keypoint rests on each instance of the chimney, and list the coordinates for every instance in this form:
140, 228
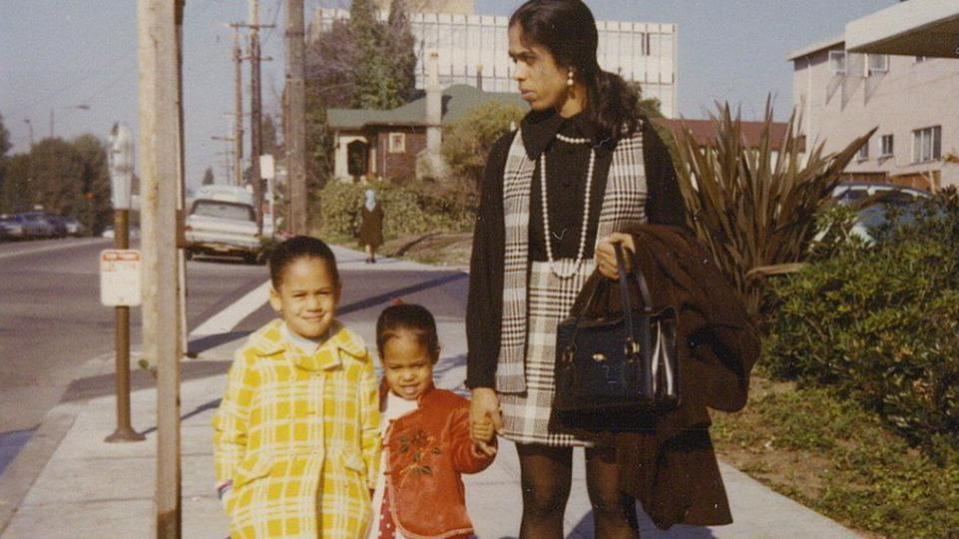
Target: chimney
434, 105
479, 76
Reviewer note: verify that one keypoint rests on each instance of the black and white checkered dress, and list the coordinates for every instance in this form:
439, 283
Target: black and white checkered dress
535, 299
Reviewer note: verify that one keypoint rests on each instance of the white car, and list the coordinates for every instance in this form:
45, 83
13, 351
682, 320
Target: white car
222, 228
873, 216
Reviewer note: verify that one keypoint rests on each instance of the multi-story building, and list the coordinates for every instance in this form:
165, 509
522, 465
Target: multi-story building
472, 48
912, 100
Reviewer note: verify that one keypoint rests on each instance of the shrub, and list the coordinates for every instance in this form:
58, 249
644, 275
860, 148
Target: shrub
414, 208
467, 141
881, 324
755, 208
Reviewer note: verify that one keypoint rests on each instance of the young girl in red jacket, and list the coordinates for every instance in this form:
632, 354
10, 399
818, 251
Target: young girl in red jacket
426, 435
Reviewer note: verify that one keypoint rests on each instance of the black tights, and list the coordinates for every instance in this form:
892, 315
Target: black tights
546, 477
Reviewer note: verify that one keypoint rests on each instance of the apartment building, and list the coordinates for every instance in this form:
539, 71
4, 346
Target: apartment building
911, 99
472, 48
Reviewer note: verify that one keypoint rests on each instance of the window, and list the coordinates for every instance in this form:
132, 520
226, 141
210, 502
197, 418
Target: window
886, 145
863, 153
397, 143
920, 59
837, 62
878, 63
926, 144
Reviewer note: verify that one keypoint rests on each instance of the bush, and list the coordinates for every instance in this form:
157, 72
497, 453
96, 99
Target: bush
411, 209
467, 141
881, 324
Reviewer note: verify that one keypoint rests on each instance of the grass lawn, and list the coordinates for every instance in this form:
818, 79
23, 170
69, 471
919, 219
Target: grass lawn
829, 454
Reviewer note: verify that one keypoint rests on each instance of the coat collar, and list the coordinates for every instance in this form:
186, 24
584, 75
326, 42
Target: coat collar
539, 128
272, 340
425, 397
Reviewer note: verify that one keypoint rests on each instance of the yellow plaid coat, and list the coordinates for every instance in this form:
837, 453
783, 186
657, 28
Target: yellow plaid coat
298, 435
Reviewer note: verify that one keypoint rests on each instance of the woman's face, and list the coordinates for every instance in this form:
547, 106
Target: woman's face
541, 82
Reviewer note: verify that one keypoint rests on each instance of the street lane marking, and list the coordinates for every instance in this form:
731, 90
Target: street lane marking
227, 319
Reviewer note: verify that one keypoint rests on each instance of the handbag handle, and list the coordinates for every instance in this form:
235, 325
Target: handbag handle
632, 347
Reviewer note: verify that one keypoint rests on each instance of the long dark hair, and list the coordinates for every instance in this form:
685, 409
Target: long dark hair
567, 29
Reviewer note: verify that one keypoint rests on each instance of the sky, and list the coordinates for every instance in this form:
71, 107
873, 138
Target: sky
76, 60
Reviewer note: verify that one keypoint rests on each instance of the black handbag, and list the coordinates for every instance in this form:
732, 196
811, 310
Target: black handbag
613, 371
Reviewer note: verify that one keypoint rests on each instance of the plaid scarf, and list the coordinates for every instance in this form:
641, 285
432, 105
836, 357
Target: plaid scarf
623, 205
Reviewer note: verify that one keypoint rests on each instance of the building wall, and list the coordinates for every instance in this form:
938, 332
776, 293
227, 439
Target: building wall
477, 44
911, 95
399, 165
464, 7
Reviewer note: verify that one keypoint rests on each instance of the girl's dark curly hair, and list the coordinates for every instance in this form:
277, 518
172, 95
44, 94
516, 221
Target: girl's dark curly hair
567, 29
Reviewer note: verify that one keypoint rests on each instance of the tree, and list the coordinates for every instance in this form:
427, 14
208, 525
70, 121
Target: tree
94, 209
375, 87
467, 141
56, 171
331, 67
4, 139
208, 178
15, 192
401, 50
4, 146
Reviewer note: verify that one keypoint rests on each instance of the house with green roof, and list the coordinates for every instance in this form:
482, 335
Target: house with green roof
375, 145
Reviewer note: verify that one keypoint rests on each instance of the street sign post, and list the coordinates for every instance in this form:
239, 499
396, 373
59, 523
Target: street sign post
120, 277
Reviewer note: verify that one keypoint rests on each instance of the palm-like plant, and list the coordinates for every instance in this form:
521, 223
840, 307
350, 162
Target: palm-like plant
754, 208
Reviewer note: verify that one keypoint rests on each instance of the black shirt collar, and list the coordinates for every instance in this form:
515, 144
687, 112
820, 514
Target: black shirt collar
539, 128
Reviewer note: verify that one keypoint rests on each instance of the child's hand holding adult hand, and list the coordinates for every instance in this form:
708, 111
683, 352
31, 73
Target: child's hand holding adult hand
484, 417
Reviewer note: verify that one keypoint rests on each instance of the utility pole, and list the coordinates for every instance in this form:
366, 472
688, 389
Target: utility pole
296, 116
159, 161
238, 118
256, 136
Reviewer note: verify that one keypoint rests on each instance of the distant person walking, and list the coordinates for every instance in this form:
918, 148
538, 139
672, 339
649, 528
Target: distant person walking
371, 226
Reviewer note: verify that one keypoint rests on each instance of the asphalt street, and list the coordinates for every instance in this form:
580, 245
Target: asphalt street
52, 322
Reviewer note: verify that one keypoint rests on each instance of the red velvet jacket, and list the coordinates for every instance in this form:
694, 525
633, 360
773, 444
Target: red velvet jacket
428, 450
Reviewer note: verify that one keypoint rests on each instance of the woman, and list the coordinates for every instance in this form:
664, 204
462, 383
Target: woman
582, 167
371, 225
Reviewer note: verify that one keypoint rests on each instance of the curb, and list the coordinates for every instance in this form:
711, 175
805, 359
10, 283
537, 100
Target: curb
18, 478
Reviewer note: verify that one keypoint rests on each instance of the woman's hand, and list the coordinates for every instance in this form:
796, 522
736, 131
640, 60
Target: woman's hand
484, 414
606, 254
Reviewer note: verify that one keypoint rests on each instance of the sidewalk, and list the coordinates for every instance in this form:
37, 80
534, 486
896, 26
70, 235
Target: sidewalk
88, 488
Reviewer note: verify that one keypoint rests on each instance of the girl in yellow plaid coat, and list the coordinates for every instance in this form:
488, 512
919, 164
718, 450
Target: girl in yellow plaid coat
296, 436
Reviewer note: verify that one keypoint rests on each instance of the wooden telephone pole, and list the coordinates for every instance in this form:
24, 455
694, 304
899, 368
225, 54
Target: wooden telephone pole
296, 115
238, 112
160, 160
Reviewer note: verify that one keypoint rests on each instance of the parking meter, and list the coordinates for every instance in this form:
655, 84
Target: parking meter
121, 166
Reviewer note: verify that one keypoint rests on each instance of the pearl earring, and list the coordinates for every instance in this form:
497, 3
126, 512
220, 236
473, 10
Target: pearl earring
569, 78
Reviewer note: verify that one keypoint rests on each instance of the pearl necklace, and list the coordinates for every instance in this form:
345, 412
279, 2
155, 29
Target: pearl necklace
582, 234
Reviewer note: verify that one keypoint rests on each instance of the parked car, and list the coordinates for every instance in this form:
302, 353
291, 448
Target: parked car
876, 202
35, 226
855, 192
74, 227
10, 229
222, 228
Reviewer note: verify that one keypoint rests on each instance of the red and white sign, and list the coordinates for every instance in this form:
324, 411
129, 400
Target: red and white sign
120, 276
